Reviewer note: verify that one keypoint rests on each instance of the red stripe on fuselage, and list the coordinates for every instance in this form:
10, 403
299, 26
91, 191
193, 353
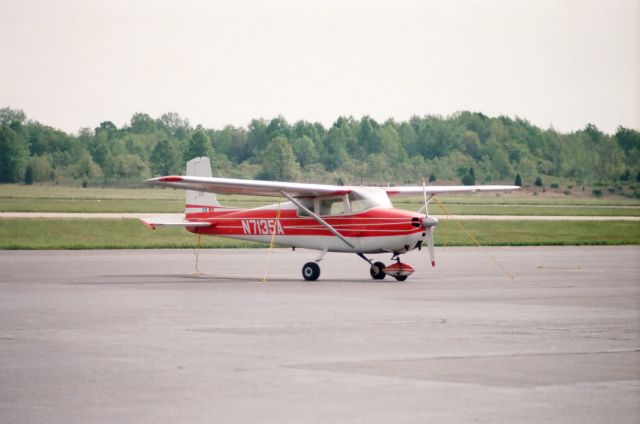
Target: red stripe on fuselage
371, 223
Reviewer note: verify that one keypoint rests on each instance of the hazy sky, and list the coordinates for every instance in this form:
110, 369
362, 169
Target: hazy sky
560, 63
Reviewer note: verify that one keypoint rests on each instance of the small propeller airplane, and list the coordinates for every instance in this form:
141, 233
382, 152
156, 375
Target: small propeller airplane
328, 218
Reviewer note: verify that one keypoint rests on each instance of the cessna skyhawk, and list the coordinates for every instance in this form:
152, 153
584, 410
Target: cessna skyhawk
328, 218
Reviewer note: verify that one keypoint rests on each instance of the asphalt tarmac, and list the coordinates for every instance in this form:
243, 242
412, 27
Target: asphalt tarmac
134, 336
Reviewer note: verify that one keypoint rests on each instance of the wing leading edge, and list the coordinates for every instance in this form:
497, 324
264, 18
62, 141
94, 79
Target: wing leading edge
249, 187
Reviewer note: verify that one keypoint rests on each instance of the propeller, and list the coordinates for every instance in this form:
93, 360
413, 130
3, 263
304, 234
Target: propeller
429, 223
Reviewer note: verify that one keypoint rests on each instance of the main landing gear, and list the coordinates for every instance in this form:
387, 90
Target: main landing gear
311, 271
378, 270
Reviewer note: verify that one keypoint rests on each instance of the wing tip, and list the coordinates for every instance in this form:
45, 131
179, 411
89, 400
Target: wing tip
166, 179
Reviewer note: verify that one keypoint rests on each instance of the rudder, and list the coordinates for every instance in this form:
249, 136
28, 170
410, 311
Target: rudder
197, 201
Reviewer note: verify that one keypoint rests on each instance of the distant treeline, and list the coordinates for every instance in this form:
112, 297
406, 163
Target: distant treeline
465, 145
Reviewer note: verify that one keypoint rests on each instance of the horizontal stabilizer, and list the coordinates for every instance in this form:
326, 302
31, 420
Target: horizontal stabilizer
177, 220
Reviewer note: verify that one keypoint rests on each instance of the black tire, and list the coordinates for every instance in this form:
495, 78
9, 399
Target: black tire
310, 271
401, 277
377, 272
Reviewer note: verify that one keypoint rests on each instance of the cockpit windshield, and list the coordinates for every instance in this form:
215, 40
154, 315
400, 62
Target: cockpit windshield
364, 198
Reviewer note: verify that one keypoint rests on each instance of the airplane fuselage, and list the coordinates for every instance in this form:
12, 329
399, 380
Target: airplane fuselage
374, 230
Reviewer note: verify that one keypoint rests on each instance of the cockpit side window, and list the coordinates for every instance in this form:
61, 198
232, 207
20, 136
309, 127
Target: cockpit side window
308, 203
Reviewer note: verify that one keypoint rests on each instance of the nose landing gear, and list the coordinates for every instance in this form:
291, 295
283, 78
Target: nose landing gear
399, 270
379, 270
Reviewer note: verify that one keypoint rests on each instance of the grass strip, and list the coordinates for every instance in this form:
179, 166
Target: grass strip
176, 206
131, 234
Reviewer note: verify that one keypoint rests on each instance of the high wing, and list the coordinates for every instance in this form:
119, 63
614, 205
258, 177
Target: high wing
250, 187
419, 190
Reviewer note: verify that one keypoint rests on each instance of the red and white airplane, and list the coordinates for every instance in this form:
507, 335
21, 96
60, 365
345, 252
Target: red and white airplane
328, 218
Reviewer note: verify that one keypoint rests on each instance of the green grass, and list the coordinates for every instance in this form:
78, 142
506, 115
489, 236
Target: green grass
100, 234
531, 233
520, 210
132, 234
42, 198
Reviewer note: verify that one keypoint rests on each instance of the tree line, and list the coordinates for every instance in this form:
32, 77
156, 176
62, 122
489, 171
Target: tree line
465, 146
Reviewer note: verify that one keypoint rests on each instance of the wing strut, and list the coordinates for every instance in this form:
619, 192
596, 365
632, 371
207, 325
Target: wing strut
317, 218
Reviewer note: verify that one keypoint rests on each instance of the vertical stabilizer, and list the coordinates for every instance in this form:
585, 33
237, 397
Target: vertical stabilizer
197, 201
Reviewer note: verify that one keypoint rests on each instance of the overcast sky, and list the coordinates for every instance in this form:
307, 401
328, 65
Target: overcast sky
560, 63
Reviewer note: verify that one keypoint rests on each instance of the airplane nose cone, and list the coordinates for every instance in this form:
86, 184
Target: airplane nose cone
429, 221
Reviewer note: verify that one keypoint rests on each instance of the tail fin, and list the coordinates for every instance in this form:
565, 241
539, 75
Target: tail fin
198, 201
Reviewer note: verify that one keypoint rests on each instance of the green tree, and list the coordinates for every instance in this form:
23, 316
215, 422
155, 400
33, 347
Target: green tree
41, 169
471, 144
28, 176
9, 117
538, 182
174, 125
164, 158
86, 168
13, 156
257, 138
107, 127
368, 138
141, 123
305, 150
518, 180
278, 127
335, 153
102, 155
391, 144
626, 175
628, 138
278, 160
500, 165
199, 145
469, 178
129, 166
